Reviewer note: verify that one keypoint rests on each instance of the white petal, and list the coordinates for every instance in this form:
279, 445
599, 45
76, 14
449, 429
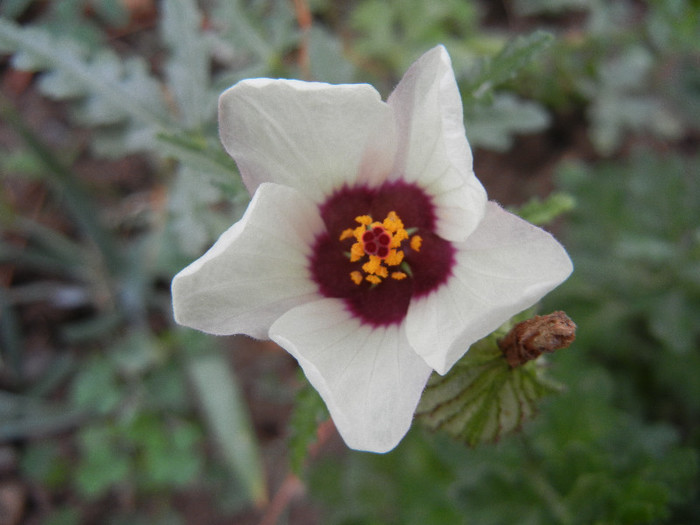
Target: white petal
369, 378
504, 267
432, 148
307, 135
256, 271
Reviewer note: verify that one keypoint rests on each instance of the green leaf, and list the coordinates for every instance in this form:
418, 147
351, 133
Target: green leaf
188, 66
492, 126
23, 417
224, 409
482, 398
198, 153
11, 336
75, 194
495, 71
167, 455
110, 89
42, 462
194, 225
96, 386
21, 162
539, 212
620, 105
13, 8
235, 22
309, 411
103, 463
328, 63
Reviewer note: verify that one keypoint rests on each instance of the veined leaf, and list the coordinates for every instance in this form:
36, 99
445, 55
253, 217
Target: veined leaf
482, 398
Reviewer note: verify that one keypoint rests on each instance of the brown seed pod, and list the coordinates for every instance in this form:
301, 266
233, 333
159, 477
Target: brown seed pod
541, 334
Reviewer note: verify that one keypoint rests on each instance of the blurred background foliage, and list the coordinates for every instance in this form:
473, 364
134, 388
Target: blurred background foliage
113, 179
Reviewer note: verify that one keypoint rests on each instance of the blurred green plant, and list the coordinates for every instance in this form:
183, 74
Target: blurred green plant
629, 68
138, 429
620, 444
613, 448
581, 461
636, 247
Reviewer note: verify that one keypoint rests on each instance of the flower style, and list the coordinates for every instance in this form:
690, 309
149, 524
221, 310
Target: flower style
369, 250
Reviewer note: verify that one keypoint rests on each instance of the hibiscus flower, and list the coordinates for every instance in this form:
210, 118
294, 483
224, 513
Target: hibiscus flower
369, 250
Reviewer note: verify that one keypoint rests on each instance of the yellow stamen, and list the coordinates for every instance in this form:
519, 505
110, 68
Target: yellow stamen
364, 219
416, 242
356, 277
347, 234
392, 222
394, 258
398, 237
373, 265
398, 275
357, 252
373, 279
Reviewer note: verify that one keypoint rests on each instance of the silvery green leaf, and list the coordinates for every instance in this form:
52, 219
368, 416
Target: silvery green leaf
113, 89
326, 58
618, 104
192, 196
113, 142
613, 113
493, 127
202, 155
188, 66
235, 23
492, 72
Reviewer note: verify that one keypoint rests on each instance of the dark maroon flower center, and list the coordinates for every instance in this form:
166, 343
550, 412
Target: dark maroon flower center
386, 302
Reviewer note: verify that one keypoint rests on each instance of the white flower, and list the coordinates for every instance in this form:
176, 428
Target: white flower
369, 250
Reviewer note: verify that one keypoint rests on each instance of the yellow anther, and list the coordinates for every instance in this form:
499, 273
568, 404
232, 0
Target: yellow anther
400, 236
347, 234
357, 252
416, 242
364, 219
356, 277
373, 265
392, 222
398, 275
373, 279
394, 258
